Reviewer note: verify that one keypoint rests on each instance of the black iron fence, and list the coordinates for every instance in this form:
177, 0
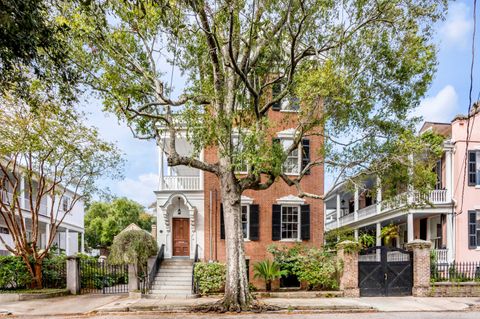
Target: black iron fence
102, 278
456, 271
194, 282
54, 273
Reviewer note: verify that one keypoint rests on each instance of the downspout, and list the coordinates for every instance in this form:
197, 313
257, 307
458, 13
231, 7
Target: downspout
215, 225
210, 226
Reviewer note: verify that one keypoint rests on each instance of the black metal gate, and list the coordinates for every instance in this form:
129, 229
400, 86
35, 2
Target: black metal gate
385, 271
101, 278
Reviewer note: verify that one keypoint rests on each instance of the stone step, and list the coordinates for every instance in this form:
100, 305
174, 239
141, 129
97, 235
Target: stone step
172, 281
160, 295
172, 287
171, 292
175, 272
176, 267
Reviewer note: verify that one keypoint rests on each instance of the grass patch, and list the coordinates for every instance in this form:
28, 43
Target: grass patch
32, 291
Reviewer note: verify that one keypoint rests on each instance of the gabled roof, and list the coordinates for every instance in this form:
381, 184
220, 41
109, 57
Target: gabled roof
444, 129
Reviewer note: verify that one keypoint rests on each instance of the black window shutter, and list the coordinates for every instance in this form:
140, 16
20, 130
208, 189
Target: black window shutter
276, 222
222, 223
276, 89
254, 222
472, 229
472, 168
305, 154
305, 220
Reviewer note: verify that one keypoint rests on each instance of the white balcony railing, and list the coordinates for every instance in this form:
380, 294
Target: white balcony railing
181, 183
7, 198
441, 255
399, 201
367, 211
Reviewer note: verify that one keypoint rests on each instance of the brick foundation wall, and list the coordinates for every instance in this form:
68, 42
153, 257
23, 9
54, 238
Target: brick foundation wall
456, 289
257, 250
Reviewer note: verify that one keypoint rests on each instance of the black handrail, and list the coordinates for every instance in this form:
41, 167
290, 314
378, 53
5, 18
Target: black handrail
153, 272
194, 284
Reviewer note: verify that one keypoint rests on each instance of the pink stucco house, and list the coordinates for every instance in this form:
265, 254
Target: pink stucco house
451, 222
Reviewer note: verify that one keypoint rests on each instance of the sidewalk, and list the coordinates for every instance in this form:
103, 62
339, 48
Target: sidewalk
84, 304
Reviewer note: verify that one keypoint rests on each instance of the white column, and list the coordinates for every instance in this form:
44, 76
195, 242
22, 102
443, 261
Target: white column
160, 170
448, 172
379, 194
378, 235
450, 237
410, 227
356, 203
355, 232
429, 234
22, 191
338, 210
47, 234
67, 242
82, 243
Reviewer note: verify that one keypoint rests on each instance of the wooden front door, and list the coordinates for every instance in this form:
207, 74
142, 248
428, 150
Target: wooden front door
181, 237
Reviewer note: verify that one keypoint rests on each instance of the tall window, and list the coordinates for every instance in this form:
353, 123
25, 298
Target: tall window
245, 220
292, 163
290, 222
65, 203
473, 168
241, 165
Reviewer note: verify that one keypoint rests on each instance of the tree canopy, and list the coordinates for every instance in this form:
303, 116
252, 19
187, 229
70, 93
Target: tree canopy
104, 220
358, 68
47, 154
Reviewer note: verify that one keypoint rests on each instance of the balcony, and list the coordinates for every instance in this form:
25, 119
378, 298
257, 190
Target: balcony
181, 183
401, 200
441, 255
7, 197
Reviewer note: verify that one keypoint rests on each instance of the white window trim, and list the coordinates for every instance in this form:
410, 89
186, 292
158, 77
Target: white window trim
299, 157
236, 136
248, 221
299, 224
68, 198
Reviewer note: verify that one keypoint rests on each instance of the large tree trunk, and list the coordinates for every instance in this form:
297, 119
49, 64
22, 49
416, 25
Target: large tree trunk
237, 296
37, 276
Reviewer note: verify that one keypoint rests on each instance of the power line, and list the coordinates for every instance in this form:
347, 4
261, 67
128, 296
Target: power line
465, 161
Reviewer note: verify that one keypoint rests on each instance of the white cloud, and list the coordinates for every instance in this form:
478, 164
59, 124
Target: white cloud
441, 107
458, 26
139, 189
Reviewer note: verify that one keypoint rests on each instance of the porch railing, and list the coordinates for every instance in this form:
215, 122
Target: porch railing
367, 211
181, 183
456, 271
441, 255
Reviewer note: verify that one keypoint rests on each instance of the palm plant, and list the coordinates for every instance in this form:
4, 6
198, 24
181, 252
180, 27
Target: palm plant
268, 271
389, 232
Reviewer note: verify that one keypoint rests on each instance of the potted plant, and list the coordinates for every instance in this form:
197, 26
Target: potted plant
389, 233
268, 271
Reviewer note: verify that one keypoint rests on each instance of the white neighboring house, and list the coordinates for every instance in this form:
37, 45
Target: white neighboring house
70, 234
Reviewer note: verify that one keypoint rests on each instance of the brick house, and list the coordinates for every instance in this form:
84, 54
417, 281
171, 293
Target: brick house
189, 210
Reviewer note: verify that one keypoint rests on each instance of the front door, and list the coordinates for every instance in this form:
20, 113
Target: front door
181, 237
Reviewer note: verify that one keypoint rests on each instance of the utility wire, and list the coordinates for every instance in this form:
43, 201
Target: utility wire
469, 133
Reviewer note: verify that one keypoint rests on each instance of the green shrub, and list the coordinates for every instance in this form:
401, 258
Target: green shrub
210, 277
14, 273
317, 268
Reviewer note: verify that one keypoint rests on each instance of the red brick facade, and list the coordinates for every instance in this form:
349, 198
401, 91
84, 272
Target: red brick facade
257, 250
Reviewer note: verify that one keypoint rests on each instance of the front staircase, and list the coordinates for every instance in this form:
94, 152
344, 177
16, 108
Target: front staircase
173, 279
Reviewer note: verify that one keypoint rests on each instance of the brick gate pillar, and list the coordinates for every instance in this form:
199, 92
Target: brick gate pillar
347, 252
421, 266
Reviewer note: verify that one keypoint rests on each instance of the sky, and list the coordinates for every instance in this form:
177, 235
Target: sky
446, 97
